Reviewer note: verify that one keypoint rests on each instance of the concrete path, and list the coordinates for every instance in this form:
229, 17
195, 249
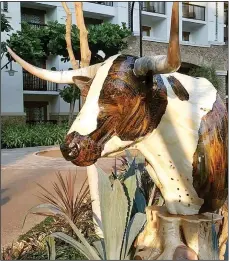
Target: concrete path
22, 169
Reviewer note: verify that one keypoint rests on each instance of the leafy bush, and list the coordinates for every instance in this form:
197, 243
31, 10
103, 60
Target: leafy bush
20, 136
36, 44
5, 26
32, 245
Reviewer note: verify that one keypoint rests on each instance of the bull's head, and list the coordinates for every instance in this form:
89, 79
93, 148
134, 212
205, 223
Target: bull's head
123, 103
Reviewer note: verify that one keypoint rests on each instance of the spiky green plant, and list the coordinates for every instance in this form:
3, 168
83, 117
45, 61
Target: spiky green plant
77, 206
118, 227
147, 192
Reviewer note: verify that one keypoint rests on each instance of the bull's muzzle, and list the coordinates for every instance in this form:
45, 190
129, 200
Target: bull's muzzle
81, 150
68, 152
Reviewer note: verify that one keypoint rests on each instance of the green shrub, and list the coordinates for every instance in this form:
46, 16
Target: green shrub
20, 136
208, 72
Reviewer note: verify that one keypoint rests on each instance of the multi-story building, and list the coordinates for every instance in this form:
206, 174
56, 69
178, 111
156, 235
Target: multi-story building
203, 38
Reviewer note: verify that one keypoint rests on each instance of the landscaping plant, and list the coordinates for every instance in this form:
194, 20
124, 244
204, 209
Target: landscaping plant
70, 94
119, 225
147, 193
42, 134
77, 206
33, 244
36, 44
5, 27
208, 72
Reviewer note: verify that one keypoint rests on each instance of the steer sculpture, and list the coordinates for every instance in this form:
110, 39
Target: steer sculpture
179, 123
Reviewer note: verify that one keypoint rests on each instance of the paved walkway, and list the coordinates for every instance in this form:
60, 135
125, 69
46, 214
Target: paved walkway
26, 158
22, 169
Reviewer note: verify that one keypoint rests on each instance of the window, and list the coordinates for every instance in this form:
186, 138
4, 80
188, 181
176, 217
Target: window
103, 3
154, 7
5, 6
146, 30
89, 21
191, 11
33, 16
185, 36
36, 111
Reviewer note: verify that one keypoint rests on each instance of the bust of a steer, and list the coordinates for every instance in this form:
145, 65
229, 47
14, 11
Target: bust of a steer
178, 123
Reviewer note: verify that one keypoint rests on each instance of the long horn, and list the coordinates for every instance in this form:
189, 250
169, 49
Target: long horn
163, 63
55, 76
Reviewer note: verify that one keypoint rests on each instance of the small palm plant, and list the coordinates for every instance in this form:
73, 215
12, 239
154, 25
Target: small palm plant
120, 226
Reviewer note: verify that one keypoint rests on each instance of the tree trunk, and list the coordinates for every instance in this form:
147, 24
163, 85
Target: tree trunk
71, 109
84, 46
68, 36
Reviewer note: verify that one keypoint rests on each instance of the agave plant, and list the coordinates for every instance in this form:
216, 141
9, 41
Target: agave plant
119, 227
147, 192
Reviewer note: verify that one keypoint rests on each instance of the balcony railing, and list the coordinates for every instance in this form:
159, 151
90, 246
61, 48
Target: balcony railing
226, 17
193, 11
36, 25
103, 3
33, 83
154, 7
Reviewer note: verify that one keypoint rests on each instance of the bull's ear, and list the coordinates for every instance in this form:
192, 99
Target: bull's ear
83, 83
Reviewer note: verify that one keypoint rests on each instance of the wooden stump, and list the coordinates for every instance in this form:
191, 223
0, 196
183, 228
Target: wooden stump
174, 237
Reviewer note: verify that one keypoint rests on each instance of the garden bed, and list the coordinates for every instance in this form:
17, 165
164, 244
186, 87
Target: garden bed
32, 246
42, 134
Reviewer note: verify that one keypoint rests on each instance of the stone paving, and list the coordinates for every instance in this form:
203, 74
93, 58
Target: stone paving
26, 158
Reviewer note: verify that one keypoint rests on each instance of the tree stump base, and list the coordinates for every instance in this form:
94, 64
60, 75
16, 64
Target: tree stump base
173, 237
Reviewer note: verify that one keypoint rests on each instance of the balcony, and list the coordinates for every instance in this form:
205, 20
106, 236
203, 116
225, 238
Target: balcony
99, 10
33, 83
154, 7
103, 3
36, 25
195, 12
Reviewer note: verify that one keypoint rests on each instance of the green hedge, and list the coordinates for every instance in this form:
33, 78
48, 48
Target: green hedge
20, 136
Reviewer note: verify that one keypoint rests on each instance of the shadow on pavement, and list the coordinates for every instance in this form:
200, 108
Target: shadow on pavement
4, 200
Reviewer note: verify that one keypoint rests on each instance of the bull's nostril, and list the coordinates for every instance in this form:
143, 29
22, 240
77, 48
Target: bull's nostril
69, 152
63, 147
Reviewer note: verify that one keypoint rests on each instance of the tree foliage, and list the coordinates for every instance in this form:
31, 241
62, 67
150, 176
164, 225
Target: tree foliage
5, 26
28, 43
70, 93
208, 72
36, 44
